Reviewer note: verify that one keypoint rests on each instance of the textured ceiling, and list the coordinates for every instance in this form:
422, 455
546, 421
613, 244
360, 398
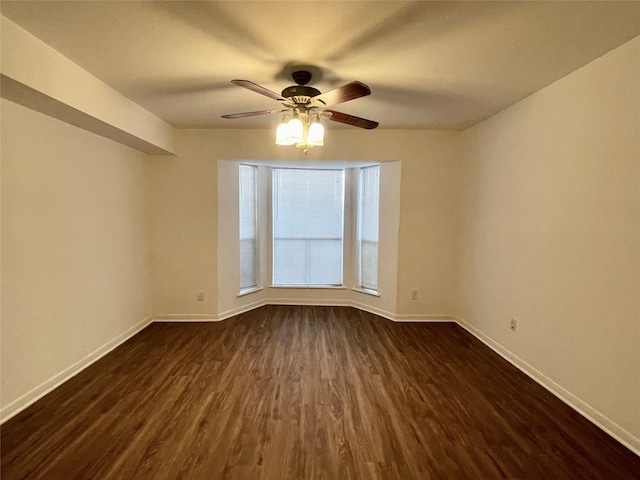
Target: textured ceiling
442, 65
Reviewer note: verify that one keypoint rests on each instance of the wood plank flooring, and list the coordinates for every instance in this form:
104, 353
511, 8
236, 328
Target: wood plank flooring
306, 393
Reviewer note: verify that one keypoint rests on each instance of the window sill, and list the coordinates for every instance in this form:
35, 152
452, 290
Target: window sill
247, 291
321, 287
366, 291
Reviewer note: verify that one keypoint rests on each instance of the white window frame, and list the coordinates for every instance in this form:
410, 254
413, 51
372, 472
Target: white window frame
372, 289
345, 237
245, 289
350, 254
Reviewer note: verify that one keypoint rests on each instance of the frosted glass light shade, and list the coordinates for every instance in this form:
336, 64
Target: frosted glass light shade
295, 131
282, 135
316, 135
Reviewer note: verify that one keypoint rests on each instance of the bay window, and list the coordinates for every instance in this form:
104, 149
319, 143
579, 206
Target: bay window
319, 227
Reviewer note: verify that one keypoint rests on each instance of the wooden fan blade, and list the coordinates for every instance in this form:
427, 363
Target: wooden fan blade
254, 87
251, 114
342, 94
351, 120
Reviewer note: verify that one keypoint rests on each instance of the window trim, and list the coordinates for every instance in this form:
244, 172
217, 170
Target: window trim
247, 291
345, 240
358, 238
367, 291
243, 290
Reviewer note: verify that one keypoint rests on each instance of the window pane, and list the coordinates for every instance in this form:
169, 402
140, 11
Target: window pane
369, 200
248, 228
308, 208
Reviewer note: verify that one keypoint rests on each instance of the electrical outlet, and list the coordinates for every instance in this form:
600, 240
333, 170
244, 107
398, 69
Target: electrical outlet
414, 294
200, 296
513, 324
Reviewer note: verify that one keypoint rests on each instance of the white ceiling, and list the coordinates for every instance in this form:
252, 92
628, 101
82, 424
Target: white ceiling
437, 65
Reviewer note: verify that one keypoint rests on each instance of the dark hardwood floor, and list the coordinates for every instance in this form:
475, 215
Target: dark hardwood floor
306, 393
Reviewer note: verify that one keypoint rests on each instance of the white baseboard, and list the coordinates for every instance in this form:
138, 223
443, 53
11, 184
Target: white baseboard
421, 318
342, 303
243, 309
376, 311
185, 317
583, 408
15, 407
212, 317
317, 302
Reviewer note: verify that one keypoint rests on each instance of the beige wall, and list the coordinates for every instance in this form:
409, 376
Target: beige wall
550, 236
75, 280
186, 213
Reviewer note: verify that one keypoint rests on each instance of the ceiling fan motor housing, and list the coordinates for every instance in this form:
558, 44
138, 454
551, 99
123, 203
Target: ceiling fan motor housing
300, 93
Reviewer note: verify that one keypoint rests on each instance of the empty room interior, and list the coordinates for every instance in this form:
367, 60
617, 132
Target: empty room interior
320, 240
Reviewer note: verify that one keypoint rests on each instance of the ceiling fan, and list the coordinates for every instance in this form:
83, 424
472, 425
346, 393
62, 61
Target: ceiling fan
308, 105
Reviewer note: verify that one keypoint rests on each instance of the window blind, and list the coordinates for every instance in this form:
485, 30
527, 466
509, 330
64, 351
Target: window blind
248, 227
368, 219
308, 226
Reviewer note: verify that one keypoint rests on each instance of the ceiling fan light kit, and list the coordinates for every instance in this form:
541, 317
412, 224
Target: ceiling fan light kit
305, 106
301, 130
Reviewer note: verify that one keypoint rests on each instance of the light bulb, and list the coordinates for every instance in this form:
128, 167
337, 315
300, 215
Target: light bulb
316, 134
295, 131
282, 135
